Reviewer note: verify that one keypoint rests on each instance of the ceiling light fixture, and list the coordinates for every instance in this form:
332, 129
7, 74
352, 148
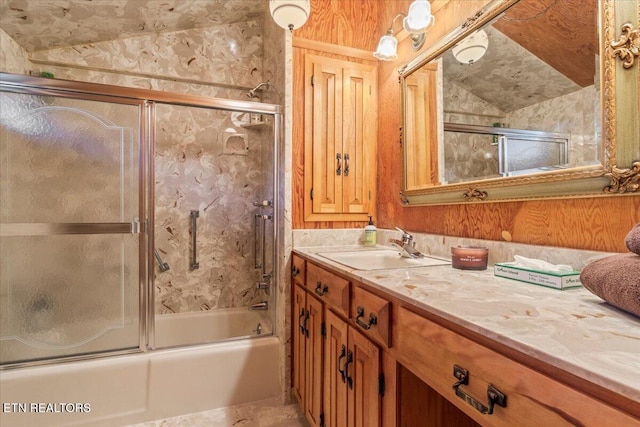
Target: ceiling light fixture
472, 48
290, 14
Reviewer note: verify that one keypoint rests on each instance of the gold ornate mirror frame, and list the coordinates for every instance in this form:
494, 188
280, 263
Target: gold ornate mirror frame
619, 173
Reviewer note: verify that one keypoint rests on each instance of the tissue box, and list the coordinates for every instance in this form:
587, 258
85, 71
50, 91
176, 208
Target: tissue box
550, 279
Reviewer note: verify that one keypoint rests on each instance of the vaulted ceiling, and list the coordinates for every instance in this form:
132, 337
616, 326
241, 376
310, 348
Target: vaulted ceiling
46, 24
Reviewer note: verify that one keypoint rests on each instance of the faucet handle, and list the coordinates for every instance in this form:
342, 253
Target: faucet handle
406, 237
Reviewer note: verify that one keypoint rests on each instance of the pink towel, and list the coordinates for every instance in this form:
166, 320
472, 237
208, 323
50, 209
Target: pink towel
615, 279
633, 239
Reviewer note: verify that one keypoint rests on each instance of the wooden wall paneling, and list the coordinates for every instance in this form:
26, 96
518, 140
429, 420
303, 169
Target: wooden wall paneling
345, 23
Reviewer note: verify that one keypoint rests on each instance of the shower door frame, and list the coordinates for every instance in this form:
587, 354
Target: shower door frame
147, 99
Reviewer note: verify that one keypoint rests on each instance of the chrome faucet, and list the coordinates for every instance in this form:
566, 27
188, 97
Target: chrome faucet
406, 246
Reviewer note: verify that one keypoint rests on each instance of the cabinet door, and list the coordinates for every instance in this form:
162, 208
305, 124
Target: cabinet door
298, 337
335, 381
363, 377
313, 361
323, 125
340, 132
359, 115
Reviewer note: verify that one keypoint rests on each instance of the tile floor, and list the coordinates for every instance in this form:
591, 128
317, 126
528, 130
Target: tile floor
266, 413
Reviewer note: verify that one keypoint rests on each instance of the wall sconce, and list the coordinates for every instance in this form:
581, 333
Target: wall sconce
290, 14
417, 23
472, 48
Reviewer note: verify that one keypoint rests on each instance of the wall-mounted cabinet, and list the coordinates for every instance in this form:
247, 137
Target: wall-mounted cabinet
340, 130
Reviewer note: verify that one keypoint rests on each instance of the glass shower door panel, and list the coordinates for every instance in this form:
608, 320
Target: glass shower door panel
69, 248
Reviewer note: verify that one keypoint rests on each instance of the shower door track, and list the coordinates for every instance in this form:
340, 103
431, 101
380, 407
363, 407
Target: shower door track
15, 83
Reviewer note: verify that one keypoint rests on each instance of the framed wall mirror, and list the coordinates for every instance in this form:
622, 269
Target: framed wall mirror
527, 99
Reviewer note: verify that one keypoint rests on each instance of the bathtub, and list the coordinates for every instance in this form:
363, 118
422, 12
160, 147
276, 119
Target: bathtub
157, 384
209, 326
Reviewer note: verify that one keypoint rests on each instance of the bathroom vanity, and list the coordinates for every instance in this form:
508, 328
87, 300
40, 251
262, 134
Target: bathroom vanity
436, 346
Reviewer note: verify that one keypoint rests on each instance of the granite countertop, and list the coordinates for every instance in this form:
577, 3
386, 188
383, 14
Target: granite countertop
572, 329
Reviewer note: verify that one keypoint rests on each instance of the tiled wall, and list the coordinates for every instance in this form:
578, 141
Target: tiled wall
13, 58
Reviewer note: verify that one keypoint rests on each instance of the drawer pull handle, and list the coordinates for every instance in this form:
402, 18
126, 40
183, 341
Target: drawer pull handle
494, 396
346, 366
373, 320
343, 373
321, 290
300, 321
295, 271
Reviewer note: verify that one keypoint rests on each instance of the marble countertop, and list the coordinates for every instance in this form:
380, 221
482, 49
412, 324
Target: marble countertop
572, 329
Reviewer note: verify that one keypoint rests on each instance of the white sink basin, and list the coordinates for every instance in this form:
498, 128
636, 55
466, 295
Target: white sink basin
380, 259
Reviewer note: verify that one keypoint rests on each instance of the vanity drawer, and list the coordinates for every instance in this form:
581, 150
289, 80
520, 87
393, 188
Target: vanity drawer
532, 399
371, 315
332, 289
298, 270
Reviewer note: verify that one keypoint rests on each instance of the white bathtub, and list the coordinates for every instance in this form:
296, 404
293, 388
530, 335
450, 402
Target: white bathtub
209, 326
122, 390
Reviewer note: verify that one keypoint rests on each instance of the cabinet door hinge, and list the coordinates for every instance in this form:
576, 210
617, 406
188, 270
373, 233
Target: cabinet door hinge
322, 420
323, 330
381, 385
311, 194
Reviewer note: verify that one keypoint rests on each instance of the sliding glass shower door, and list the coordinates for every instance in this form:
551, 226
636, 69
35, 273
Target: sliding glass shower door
70, 250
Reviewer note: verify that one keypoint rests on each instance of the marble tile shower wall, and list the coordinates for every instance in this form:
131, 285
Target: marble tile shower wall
220, 57
13, 58
194, 171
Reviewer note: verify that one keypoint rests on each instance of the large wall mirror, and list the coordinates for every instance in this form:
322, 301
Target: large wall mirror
527, 99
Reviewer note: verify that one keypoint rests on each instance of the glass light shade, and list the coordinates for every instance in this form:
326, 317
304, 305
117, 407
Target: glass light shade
472, 48
387, 48
419, 18
290, 14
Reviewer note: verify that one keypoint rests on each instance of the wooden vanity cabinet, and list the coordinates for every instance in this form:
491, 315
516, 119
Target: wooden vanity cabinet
469, 375
337, 369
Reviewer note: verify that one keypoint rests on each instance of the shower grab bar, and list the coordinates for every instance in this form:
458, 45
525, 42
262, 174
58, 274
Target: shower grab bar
161, 264
260, 241
194, 239
47, 229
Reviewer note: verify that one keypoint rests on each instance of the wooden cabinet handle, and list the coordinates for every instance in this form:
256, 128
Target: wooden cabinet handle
494, 396
320, 289
373, 320
294, 271
338, 164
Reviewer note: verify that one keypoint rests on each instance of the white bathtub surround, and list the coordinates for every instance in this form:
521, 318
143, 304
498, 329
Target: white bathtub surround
440, 246
266, 413
155, 385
